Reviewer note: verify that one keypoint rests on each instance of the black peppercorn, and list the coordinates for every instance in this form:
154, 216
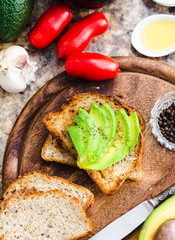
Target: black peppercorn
166, 122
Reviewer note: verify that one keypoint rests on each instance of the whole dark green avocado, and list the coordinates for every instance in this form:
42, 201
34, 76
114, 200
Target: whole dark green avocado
14, 15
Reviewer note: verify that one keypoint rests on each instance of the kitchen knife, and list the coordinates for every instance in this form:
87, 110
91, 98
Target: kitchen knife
125, 224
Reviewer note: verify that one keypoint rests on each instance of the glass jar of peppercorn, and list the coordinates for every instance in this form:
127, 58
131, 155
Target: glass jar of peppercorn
163, 120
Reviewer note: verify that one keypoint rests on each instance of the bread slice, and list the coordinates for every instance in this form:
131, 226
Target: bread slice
43, 215
110, 179
43, 182
52, 151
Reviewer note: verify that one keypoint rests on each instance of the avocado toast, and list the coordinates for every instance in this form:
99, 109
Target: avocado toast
109, 179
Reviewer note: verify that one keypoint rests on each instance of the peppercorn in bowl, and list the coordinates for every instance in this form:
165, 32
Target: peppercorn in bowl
163, 120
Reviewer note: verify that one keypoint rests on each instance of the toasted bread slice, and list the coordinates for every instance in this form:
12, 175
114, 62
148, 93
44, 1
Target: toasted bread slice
110, 179
43, 215
43, 182
52, 151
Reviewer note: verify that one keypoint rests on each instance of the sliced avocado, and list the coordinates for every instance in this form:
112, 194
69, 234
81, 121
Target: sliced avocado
89, 128
107, 123
135, 131
77, 137
117, 149
112, 122
161, 214
102, 122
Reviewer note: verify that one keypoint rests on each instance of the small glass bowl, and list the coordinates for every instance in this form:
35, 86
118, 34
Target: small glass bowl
162, 103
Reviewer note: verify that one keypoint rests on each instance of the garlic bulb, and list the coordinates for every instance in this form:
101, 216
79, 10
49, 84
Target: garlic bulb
16, 70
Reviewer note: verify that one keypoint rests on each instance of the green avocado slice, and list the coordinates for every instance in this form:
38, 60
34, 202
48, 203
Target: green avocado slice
89, 128
117, 149
77, 137
135, 131
161, 214
107, 123
101, 119
112, 123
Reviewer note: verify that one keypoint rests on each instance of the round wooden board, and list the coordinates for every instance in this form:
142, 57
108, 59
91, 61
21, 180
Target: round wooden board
140, 83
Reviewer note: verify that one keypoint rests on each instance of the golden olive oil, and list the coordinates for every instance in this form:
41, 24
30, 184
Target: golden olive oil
159, 35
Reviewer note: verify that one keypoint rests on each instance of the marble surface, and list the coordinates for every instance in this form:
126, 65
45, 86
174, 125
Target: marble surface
122, 15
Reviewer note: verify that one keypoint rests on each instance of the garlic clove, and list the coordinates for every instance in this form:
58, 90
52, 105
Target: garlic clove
12, 81
15, 56
16, 69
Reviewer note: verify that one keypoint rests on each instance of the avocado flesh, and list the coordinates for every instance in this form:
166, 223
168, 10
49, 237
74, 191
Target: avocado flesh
77, 137
89, 128
161, 214
112, 122
135, 131
107, 123
117, 151
101, 120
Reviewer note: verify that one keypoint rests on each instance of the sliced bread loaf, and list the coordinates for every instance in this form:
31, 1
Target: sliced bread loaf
43, 182
110, 179
52, 151
43, 215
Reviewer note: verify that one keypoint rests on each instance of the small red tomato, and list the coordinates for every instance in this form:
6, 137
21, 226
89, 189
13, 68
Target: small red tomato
91, 66
50, 25
80, 34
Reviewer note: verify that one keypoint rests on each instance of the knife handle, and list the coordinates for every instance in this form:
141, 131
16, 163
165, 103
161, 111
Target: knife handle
163, 196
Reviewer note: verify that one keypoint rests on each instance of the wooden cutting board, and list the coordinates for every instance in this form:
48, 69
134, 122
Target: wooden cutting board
140, 83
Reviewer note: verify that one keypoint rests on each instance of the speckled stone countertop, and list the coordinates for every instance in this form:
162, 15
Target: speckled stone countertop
122, 15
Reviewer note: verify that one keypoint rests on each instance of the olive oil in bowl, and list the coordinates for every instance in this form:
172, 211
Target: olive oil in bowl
159, 35
154, 36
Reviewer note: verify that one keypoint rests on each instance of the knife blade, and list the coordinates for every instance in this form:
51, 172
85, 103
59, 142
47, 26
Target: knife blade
125, 224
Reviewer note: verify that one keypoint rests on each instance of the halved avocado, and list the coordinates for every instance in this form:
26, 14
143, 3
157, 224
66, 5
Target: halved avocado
117, 148
89, 127
135, 131
161, 214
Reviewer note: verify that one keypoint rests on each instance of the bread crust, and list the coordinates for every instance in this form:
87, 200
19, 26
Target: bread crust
139, 161
135, 175
119, 181
87, 204
70, 109
24, 194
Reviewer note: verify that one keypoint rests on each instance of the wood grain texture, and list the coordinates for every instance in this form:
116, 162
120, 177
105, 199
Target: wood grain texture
140, 84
